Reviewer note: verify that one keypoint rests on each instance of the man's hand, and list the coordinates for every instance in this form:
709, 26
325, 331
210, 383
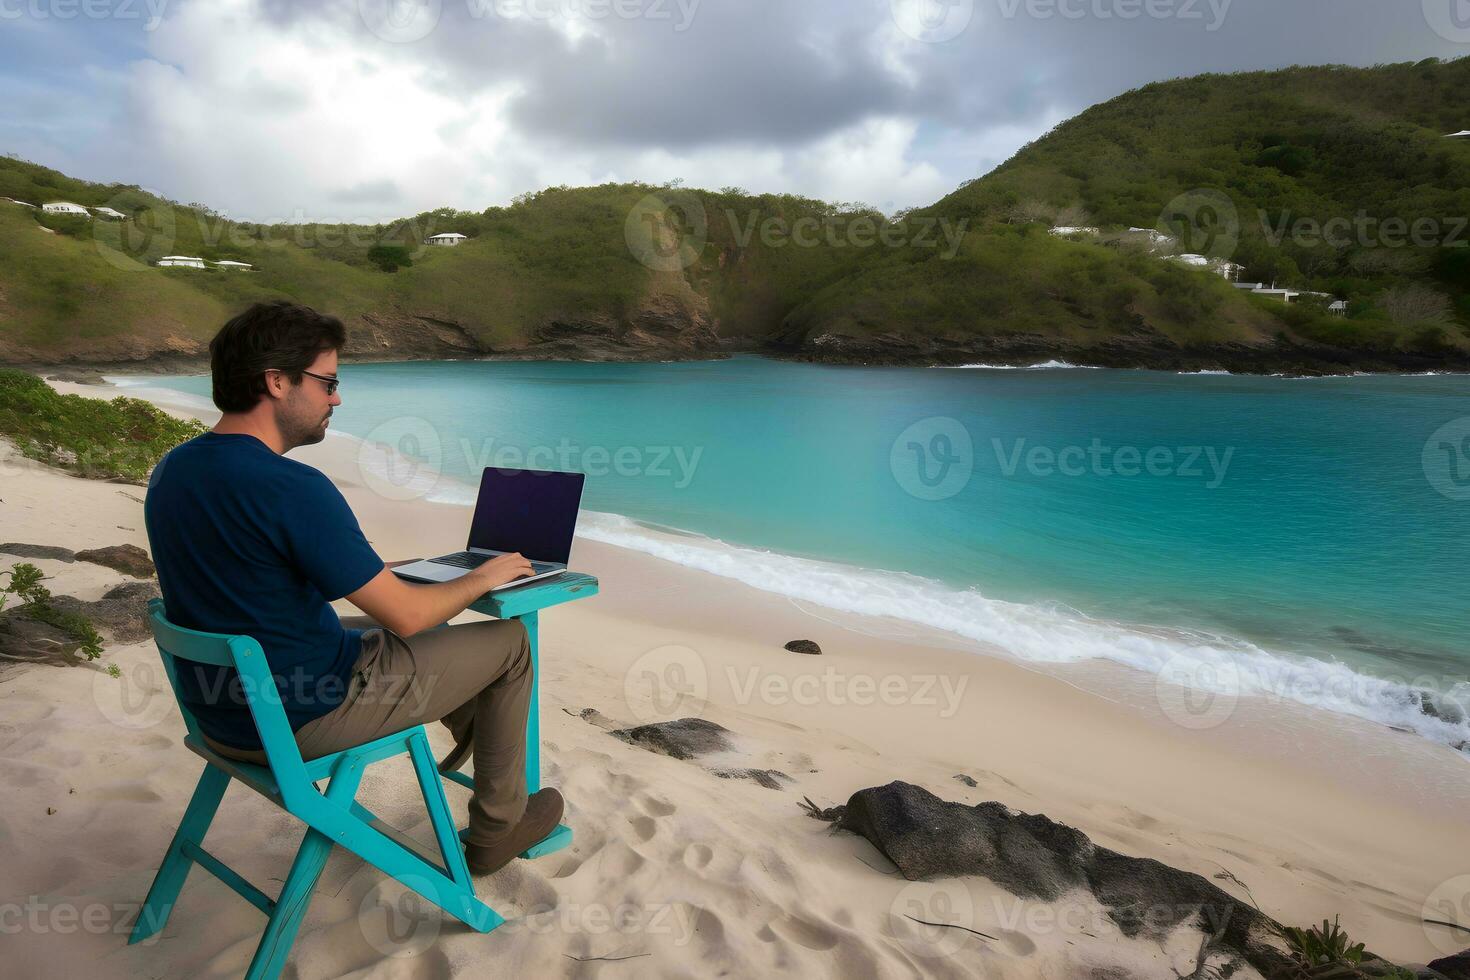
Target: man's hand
408, 607
502, 569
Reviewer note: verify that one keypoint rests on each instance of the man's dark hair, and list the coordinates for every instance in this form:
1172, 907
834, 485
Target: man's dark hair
276, 334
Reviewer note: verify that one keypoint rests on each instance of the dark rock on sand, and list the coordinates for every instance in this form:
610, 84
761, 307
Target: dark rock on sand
1455, 967
1032, 856
803, 646
20, 550
29, 641
967, 780
682, 738
81, 376
126, 558
122, 611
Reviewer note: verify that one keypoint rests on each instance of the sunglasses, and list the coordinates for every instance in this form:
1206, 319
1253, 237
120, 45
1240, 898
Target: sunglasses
331, 383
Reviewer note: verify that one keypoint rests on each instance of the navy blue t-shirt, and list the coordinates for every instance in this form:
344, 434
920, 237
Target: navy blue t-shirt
249, 542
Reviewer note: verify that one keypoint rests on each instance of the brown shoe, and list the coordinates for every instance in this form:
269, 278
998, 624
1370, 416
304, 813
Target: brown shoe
543, 812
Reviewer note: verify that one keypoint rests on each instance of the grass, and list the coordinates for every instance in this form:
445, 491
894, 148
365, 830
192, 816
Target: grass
122, 439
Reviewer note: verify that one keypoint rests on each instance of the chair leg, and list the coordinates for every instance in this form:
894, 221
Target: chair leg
153, 916
280, 932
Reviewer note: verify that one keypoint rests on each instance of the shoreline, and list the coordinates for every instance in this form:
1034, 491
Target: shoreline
1000, 353
1317, 814
1025, 633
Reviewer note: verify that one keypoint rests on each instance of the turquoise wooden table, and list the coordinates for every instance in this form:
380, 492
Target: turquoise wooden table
525, 603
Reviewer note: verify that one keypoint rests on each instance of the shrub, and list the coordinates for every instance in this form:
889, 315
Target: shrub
119, 439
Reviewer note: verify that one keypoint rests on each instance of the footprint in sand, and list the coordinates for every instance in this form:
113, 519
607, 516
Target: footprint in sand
653, 806
698, 856
803, 932
643, 828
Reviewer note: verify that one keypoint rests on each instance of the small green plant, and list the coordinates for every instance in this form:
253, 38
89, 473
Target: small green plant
1326, 952
1320, 946
25, 585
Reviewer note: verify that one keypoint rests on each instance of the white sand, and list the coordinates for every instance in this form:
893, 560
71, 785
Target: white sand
1316, 814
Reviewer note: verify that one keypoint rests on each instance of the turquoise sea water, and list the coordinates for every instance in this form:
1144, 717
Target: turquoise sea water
1295, 533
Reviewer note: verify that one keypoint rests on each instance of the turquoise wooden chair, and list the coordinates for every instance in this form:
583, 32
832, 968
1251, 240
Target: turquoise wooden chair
332, 817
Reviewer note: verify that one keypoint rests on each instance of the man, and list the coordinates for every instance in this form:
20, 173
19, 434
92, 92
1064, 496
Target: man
249, 542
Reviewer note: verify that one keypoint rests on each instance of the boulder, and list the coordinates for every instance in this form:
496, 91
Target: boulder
126, 558
1032, 856
122, 611
682, 738
1455, 967
804, 646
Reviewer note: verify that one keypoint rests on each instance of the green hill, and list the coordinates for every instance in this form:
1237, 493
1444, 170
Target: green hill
1331, 180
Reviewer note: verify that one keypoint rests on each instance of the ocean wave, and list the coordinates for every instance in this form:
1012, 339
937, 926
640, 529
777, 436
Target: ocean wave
1043, 366
1054, 633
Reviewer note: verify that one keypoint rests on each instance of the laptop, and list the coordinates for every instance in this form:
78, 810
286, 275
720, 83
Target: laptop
533, 512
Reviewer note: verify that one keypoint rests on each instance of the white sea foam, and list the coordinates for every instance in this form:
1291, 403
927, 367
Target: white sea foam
1044, 366
1050, 633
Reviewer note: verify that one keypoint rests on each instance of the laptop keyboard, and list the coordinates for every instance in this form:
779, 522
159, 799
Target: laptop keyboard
470, 559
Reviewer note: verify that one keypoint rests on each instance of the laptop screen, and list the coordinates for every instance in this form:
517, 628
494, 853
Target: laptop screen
530, 511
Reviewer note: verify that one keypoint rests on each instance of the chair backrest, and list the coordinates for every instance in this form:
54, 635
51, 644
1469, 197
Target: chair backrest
245, 656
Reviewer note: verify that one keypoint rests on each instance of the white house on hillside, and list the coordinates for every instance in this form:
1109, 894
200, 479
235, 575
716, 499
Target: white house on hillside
1074, 230
448, 238
110, 213
66, 207
185, 261
1460, 135
231, 264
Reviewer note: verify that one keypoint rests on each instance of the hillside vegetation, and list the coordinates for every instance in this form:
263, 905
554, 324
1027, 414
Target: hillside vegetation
1334, 180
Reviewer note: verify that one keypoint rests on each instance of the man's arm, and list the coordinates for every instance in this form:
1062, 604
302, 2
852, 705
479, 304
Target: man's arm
407, 608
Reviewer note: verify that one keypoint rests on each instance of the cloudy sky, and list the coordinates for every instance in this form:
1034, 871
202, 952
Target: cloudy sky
370, 109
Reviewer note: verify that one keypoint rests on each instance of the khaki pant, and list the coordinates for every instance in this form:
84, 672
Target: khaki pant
476, 678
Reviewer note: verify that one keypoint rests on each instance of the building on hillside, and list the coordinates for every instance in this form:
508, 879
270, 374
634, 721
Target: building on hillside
23, 204
1462, 134
182, 261
65, 207
110, 213
448, 238
237, 266
1223, 268
1074, 230
1337, 307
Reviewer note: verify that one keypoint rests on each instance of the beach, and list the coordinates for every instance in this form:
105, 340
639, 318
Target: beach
1306, 813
